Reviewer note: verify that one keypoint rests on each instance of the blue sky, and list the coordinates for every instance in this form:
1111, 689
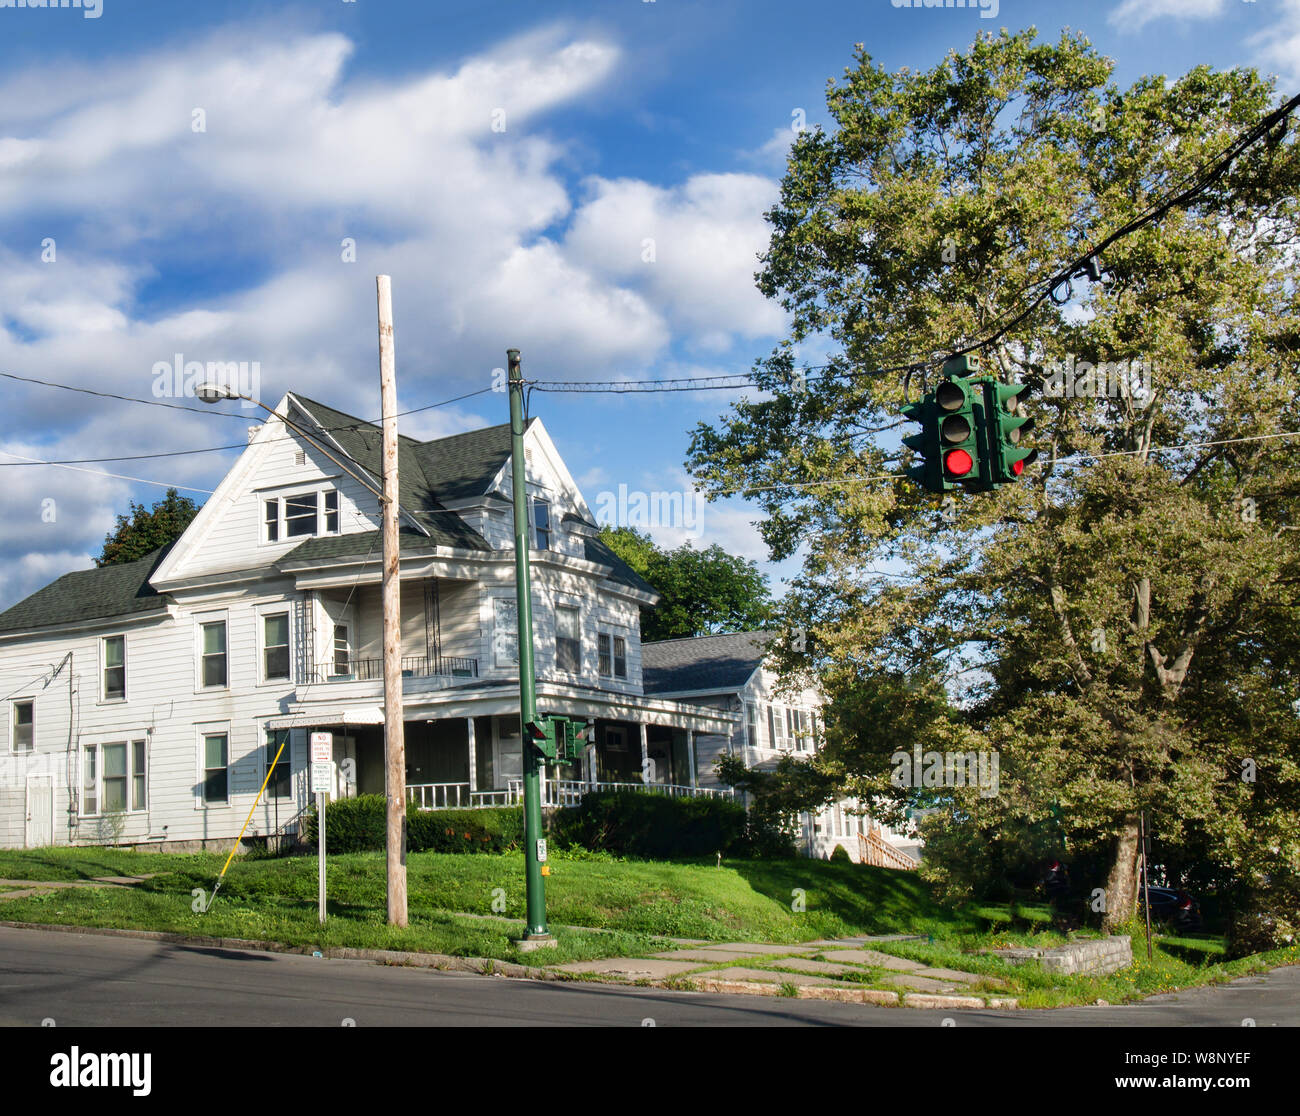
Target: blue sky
616, 123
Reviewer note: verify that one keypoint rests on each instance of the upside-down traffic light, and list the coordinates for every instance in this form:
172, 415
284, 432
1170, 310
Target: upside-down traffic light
541, 735
951, 419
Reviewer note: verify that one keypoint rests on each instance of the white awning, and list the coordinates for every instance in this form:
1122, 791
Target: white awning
311, 718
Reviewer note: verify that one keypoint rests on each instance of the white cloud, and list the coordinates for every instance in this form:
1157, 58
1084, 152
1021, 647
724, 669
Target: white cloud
692, 250
1133, 15
295, 157
1278, 47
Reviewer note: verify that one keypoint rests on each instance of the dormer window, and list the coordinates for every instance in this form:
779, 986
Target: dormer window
300, 515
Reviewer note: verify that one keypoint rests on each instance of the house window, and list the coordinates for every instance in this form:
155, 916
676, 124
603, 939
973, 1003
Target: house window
604, 647
505, 632
568, 644
620, 657
22, 722
751, 724
776, 727
542, 524
114, 668
342, 650
275, 646
215, 767
214, 654
279, 784
300, 514
114, 777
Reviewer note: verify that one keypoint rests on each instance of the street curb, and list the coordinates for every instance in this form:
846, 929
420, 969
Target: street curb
489, 966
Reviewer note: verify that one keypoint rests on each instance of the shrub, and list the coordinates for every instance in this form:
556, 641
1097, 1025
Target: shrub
842, 854
359, 825
634, 823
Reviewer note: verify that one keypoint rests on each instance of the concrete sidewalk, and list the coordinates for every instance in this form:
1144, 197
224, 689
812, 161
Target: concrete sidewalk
825, 969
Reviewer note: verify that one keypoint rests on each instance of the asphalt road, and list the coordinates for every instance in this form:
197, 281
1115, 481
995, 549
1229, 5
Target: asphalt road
97, 980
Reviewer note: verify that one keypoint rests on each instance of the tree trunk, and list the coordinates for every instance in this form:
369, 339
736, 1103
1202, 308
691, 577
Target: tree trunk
1122, 883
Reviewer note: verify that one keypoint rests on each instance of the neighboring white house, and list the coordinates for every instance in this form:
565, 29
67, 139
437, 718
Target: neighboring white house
730, 672
145, 702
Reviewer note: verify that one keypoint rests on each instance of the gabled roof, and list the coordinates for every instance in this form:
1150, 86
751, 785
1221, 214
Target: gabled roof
712, 662
464, 465
119, 590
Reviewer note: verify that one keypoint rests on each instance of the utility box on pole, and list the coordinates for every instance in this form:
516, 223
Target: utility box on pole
536, 935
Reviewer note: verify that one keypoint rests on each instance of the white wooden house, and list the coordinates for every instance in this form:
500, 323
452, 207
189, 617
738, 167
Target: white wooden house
146, 701
731, 673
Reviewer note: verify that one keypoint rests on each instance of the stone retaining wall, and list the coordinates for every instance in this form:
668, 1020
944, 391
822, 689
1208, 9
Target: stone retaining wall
1096, 957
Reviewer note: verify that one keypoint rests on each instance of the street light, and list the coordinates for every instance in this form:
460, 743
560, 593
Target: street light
217, 393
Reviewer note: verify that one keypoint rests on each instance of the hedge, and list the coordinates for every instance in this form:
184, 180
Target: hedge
358, 825
635, 823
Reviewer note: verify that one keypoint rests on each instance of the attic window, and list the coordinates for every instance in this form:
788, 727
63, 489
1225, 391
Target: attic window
301, 515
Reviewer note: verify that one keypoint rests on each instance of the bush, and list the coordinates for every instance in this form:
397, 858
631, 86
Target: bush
358, 825
841, 853
653, 826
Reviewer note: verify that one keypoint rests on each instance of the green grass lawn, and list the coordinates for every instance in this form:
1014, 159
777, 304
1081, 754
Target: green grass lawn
637, 903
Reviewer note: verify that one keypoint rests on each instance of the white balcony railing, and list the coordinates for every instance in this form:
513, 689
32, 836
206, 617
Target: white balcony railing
555, 792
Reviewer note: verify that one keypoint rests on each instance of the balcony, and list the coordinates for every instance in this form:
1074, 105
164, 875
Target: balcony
372, 670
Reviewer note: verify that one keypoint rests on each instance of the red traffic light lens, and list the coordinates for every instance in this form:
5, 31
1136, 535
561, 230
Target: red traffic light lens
958, 463
1018, 467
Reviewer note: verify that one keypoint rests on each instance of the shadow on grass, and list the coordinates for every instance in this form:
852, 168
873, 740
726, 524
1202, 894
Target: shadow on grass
873, 900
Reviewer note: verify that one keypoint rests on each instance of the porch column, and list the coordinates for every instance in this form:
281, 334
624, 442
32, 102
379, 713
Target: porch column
473, 757
645, 754
690, 754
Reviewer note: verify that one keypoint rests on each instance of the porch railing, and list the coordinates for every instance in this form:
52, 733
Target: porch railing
372, 670
557, 792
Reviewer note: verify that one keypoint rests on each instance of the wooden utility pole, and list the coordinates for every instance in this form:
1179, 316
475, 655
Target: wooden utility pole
394, 738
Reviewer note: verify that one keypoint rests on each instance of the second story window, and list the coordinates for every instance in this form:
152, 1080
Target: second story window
604, 647
751, 724
300, 515
620, 657
22, 727
505, 632
568, 640
275, 646
541, 524
342, 650
114, 668
214, 654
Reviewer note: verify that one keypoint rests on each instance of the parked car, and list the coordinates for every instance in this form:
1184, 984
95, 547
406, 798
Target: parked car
1173, 907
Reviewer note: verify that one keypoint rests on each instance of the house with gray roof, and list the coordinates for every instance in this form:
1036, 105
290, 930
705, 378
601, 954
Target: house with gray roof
149, 702
732, 673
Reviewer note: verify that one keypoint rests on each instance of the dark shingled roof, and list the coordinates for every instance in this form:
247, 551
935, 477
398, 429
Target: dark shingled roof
714, 662
597, 551
363, 442
463, 465
121, 590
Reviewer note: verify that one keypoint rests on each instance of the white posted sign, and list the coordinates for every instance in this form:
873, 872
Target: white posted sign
322, 762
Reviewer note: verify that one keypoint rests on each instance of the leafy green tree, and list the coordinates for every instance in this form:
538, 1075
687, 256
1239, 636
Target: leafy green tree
1121, 625
146, 529
704, 591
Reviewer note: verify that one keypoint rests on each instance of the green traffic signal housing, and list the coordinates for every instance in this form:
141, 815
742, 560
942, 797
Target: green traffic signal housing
559, 738
1007, 424
960, 405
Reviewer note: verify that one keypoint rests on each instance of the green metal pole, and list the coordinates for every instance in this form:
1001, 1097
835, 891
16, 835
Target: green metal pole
535, 882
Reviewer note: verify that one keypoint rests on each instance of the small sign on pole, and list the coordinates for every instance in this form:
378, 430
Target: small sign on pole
322, 784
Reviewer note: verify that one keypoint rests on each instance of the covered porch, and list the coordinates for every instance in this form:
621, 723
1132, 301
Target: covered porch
476, 759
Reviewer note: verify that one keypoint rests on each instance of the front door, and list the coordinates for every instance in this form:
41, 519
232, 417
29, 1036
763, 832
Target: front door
40, 811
